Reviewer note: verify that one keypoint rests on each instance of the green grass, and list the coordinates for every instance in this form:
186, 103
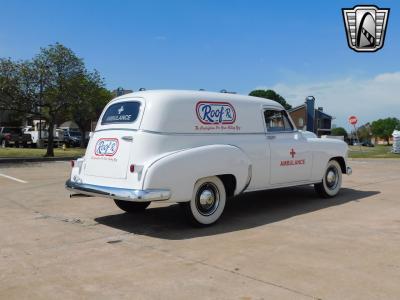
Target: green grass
28, 152
379, 151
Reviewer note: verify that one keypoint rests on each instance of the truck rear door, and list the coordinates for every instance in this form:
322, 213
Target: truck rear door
109, 153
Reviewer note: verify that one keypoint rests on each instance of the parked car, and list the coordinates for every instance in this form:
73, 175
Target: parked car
40, 139
14, 136
367, 144
72, 138
36, 135
199, 149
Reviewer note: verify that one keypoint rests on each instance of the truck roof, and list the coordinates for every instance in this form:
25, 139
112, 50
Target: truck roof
182, 94
180, 111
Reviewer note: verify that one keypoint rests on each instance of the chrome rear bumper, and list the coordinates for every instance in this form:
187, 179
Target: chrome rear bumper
118, 193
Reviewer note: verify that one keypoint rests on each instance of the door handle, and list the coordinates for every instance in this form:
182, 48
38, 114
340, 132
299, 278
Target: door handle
127, 138
271, 137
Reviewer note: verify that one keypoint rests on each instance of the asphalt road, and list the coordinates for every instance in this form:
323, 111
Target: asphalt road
283, 244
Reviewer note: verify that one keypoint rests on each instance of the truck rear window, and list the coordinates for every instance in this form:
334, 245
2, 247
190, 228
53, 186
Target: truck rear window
122, 112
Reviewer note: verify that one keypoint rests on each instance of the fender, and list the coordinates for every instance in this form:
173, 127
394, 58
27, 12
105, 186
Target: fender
323, 151
179, 171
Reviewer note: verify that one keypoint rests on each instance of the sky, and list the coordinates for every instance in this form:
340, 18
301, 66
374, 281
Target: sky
297, 48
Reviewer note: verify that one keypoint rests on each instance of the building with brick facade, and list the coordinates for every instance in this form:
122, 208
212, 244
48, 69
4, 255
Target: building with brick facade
307, 117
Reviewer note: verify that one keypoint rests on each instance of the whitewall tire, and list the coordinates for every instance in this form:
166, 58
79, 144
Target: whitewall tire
208, 201
331, 182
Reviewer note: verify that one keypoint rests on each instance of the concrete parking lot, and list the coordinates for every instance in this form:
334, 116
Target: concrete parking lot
283, 244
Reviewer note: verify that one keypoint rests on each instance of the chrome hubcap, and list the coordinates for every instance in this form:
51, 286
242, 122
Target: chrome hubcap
207, 199
332, 178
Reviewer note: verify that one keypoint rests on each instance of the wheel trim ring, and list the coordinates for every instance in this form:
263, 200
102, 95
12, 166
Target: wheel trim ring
209, 208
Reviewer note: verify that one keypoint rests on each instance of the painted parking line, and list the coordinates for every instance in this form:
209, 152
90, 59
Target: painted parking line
13, 178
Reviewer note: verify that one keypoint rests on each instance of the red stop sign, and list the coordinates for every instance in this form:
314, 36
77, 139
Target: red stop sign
353, 120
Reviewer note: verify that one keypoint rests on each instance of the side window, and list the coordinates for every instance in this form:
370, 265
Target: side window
277, 120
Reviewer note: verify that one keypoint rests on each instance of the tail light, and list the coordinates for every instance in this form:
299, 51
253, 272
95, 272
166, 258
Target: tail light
72, 163
132, 168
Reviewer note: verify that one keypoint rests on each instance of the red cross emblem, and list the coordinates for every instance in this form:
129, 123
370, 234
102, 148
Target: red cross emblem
292, 153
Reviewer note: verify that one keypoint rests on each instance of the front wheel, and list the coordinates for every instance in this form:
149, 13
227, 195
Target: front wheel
131, 207
331, 182
207, 203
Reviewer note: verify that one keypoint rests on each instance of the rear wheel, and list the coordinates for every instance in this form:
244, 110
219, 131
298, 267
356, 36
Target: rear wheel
331, 182
207, 203
131, 207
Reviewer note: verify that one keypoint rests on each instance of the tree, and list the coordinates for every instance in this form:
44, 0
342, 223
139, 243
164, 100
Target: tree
364, 132
339, 131
90, 99
18, 86
47, 86
383, 128
62, 68
272, 95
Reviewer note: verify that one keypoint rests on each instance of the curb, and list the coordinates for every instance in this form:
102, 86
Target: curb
19, 160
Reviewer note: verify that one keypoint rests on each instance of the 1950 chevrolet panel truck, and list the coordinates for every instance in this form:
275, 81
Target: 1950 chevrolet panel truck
199, 149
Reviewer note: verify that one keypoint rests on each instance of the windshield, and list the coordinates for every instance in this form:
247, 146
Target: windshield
121, 112
74, 133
